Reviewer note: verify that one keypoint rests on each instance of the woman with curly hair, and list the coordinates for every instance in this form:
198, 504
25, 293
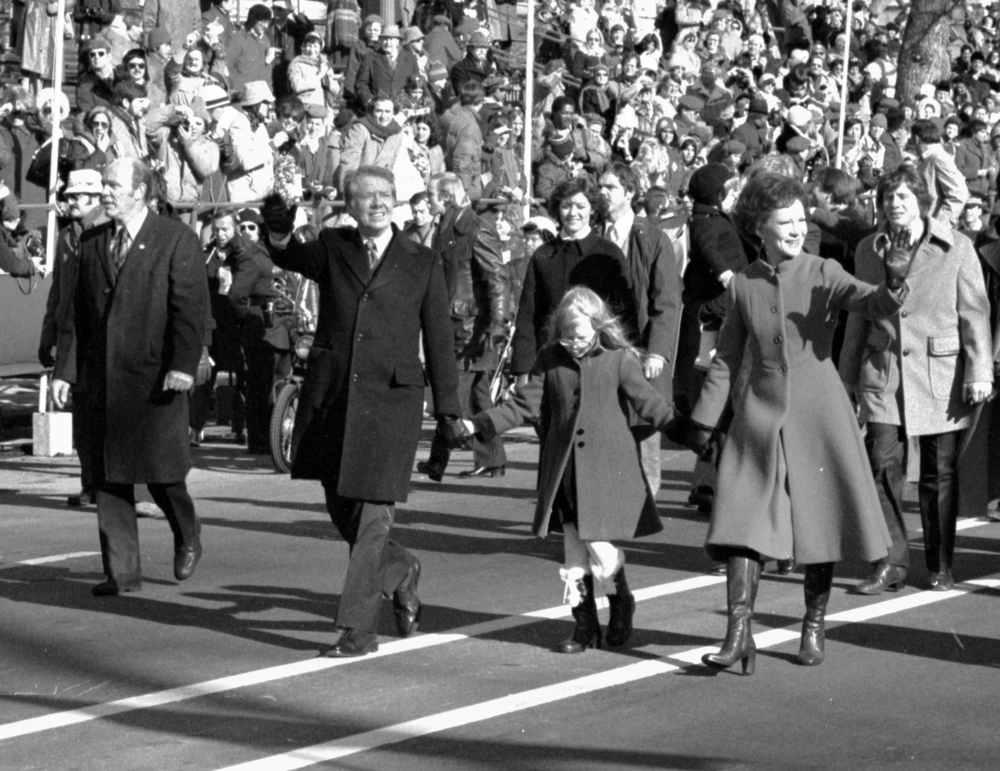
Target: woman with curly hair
793, 479
426, 151
91, 147
577, 257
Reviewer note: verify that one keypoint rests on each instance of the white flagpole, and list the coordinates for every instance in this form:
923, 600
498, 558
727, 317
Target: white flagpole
57, 84
529, 99
843, 88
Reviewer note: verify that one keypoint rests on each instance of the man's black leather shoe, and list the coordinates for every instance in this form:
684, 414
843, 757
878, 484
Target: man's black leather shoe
433, 470
405, 603
185, 561
352, 644
112, 587
940, 581
886, 577
484, 471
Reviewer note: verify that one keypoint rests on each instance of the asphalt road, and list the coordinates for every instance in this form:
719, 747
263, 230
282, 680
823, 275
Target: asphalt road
223, 670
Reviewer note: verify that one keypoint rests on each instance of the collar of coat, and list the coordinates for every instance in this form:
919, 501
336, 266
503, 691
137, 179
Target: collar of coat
463, 219
934, 230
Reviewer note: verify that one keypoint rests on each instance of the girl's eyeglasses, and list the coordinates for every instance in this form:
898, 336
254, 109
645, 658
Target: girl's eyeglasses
136, 66
99, 124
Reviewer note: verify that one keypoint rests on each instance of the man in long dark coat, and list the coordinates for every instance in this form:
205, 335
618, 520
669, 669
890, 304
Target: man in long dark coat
138, 325
361, 404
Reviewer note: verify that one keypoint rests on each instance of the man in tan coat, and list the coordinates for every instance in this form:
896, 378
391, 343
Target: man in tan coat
919, 373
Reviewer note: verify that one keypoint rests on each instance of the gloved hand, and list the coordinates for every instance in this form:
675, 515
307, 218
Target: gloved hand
496, 334
204, 370
898, 258
279, 218
701, 439
453, 432
45, 357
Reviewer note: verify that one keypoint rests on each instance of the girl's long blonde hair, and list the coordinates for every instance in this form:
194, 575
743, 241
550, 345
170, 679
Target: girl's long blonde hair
581, 301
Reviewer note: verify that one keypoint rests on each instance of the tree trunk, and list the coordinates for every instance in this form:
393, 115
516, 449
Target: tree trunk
924, 57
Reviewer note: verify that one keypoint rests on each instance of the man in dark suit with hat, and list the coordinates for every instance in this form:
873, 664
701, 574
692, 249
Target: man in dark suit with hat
361, 405
753, 133
132, 348
476, 65
385, 72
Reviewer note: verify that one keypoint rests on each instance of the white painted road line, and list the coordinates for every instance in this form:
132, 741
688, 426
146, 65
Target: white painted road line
59, 558
477, 713
294, 669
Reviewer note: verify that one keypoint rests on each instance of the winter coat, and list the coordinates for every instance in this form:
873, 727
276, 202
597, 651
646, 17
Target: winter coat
972, 157
715, 248
185, 166
178, 17
463, 147
92, 91
477, 291
555, 268
304, 79
128, 136
793, 477
582, 411
910, 369
440, 46
246, 57
377, 77
18, 145
39, 39
362, 401
129, 333
945, 183
469, 69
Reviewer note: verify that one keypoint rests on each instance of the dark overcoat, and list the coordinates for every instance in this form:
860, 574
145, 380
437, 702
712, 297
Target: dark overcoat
129, 333
555, 268
793, 479
377, 77
362, 401
582, 407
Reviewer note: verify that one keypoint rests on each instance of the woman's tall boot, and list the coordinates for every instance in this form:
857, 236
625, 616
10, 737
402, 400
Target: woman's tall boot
622, 605
742, 579
819, 579
580, 593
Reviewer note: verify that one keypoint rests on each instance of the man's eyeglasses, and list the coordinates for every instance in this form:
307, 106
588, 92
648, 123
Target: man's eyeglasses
99, 124
248, 227
98, 54
136, 66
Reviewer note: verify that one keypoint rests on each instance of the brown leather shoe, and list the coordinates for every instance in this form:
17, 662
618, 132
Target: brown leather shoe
885, 578
113, 587
354, 643
186, 560
405, 603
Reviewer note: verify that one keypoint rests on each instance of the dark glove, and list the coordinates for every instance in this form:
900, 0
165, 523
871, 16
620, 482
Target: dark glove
898, 258
453, 432
277, 215
204, 370
701, 439
496, 334
34, 244
45, 357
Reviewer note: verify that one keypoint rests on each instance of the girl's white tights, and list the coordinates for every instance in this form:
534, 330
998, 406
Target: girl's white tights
601, 558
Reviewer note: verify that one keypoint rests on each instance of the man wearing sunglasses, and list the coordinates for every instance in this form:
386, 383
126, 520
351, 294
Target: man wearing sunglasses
96, 85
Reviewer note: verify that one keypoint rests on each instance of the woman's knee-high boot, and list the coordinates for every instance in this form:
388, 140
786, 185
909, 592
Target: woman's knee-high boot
742, 578
580, 592
819, 579
622, 605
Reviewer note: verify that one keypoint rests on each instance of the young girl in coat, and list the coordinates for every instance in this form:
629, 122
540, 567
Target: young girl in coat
591, 483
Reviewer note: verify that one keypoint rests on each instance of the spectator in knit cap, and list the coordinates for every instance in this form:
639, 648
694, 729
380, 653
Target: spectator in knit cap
754, 132
439, 88
97, 84
251, 54
159, 51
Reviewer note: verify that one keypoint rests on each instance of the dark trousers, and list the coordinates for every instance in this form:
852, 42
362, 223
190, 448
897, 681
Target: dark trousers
474, 396
377, 564
938, 491
119, 531
261, 366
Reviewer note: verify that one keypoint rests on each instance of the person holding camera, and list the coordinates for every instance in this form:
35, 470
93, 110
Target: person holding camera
185, 154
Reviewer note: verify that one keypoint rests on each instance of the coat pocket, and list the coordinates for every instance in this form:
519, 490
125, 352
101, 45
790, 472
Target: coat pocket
876, 361
942, 364
409, 376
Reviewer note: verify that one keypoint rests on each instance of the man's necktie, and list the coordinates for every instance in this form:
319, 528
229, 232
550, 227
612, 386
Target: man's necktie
372, 250
612, 234
119, 249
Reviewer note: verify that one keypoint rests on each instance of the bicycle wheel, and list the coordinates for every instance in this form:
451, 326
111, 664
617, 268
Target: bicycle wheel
282, 424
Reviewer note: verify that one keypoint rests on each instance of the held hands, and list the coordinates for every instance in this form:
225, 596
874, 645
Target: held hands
496, 334
653, 367
978, 392
696, 437
453, 431
177, 381
898, 258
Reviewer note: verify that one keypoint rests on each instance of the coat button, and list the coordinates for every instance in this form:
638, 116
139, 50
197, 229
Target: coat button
777, 338
364, 298
904, 314
354, 378
783, 370
906, 351
579, 432
359, 337
580, 444
774, 309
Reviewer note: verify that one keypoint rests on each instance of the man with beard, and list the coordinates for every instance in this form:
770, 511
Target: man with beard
476, 65
128, 126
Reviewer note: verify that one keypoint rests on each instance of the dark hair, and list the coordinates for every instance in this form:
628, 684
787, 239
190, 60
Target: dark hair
352, 178
656, 201
96, 110
561, 101
379, 97
131, 18
926, 131
290, 106
627, 177
133, 53
418, 198
585, 186
839, 185
127, 91
221, 214
977, 125
545, 235
764, 194
432, 123
913, 179
470, 93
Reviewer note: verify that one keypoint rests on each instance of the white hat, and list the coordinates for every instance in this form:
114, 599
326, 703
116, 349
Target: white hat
214, 96
257, 91
84, 181
45, 97
799, 116
541, 223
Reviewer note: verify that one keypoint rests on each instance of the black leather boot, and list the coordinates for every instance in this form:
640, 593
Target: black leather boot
587, 633
742, 578
622, 605
819, 579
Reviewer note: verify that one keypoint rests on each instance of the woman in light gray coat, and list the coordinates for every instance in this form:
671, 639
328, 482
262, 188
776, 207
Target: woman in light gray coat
793, 482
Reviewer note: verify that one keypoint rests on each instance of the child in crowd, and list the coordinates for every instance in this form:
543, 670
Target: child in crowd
590, 483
